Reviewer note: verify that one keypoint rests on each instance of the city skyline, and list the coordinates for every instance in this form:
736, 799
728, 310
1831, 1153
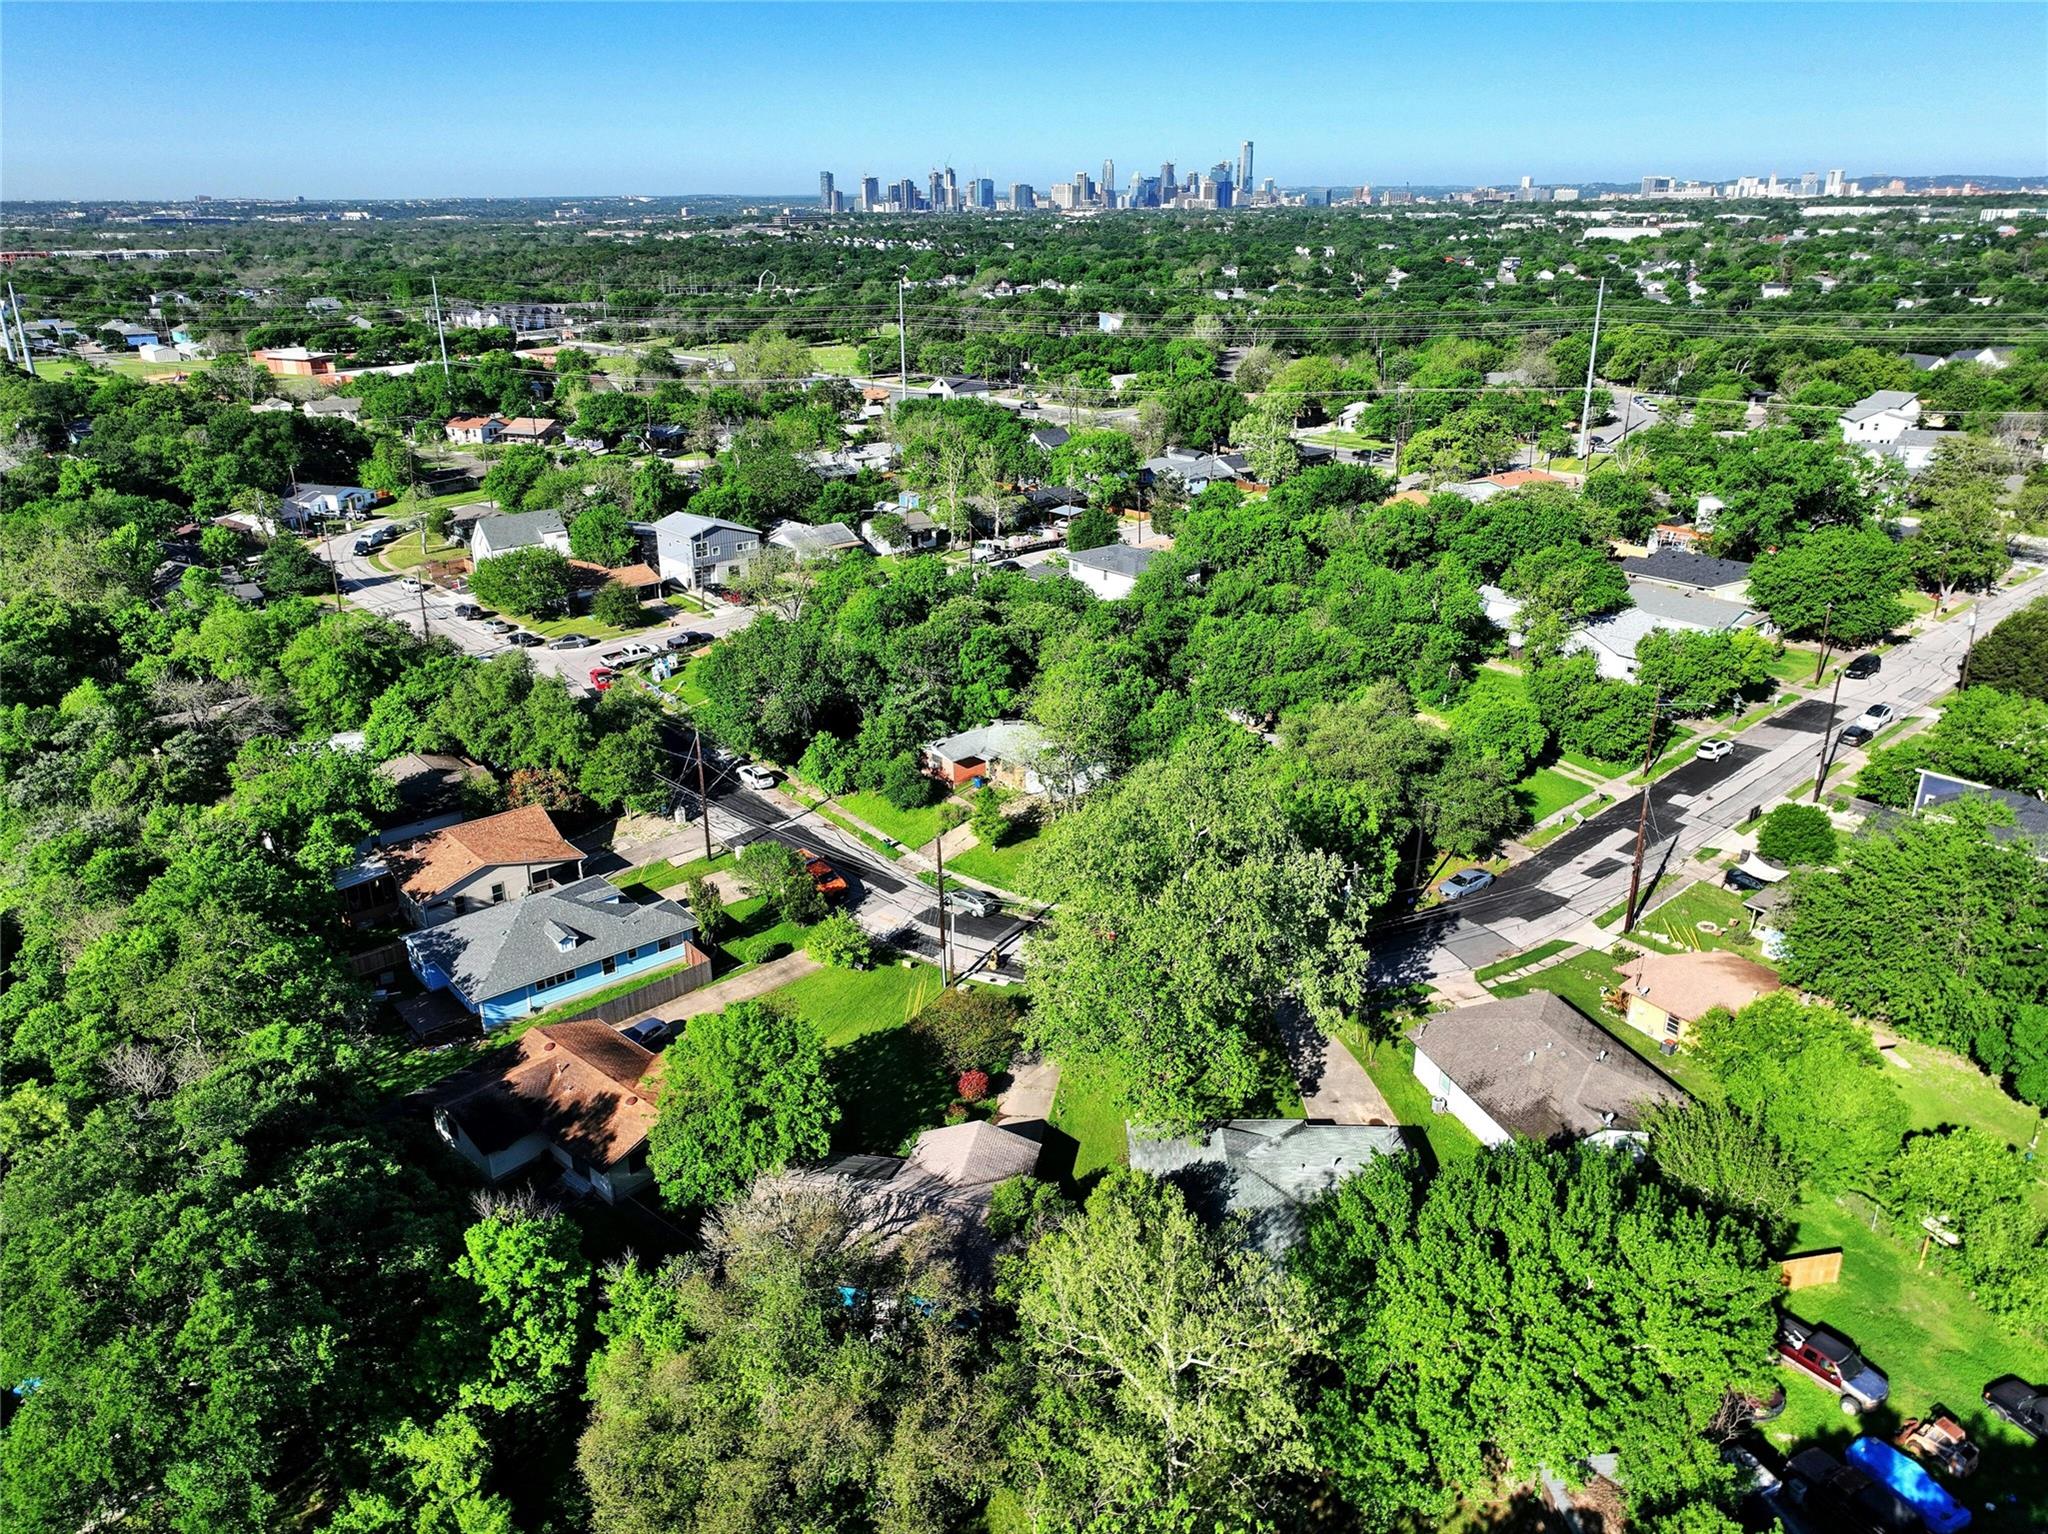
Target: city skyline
704, 99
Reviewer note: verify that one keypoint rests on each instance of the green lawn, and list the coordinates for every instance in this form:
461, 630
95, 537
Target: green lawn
1337, 436
1940, 1088
1008, 866
1796, 665
1535, 955
405, 554
1677, 921
1086, 1108
1933, 1342
1580, 980
1611, 917
557, 628
1546, 791
1595, 766
1392, 1068
665, 875
683, 685
913, 828
846, 1004
889, 1086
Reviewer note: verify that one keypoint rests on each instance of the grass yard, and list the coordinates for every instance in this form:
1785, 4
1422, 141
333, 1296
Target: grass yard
1086, 1108
1941, 1088
1677, 921
558, 628
1580, 980
683, 686
405, 554
1392, 1068
889, 1086
1595, 766
665, 875
1796, 665
1337, 436
1611, 917
1934, 1343
1535, 955
913, 828
1008, 866
1546, 791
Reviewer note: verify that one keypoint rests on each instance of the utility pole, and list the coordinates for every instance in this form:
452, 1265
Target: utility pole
902, 340
1820, 775
21, 355
1635, 874
1827, 623
1592, 356
440, 329
945, 936
703, 799
1970, 648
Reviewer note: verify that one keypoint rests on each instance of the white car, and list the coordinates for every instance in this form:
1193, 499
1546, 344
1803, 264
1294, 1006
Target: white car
631, 652
1877, 716
1644, 402
1714, 750
755, 777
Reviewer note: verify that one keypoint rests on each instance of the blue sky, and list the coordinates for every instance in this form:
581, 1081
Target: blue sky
425, 100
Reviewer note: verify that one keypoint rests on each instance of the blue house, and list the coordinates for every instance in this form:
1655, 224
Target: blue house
508, 961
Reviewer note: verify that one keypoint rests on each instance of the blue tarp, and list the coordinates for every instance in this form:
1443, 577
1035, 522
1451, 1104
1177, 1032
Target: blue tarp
1881, 1462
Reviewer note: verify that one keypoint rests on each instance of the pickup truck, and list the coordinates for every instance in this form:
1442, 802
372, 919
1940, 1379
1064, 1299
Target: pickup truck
830, 882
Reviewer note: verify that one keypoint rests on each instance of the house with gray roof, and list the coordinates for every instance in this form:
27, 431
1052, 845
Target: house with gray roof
1112, 571
1879, 417
820, 542
1196, 471
1006, 752
1262, 1170
1535, 1067
510, 530
2030, 815
696, 552
508, 961
1914, 448
1048, 437
1704, 574
1614, 637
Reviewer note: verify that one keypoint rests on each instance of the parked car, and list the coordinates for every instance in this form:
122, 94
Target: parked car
650, 1033
1939, 1440
526, 641
499, 626
1644, 402
754, 776
726, 594
468, 610
1006, 564
1831, 1360
1714, 750
602, 677
632, 652
2024, 1406
1464, 883
1753, 873
1857, 734
830, 882
571, 642
1862, 666
963, 900
686, 639
1877, 716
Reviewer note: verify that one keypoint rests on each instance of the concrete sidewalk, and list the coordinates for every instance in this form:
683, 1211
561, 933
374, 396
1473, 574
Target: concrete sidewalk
745, 987
1334, 1086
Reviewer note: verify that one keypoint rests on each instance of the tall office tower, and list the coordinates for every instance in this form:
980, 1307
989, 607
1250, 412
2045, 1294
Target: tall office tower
904, 195
1109, 181
870, 194
1244, 165
825, 190
1809, 183
1169, 183
984, 193
1084, 190
1834, 183
1656, 186
1207, 188
1022, 197
936, 184
952, 190
1526, 183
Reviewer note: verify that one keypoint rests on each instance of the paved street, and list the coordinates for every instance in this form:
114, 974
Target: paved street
1586, 871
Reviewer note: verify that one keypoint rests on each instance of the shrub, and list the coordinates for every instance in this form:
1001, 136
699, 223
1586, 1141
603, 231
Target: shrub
702, 897
828, 762
956, 1113
952, 813
903, 785
616, 606
973, 1086
839, 943
990, 823
1796, 834
972, 1030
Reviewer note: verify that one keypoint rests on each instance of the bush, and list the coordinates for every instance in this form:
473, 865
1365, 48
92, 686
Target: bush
839, 943
701, 895
903, 785
952, 813
972, 1030
1796, 834
973, 1086
990, 823
617, 607
533, 583
1093, 528
828, 762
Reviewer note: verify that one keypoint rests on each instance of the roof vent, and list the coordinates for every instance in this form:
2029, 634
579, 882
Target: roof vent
1601, 1056
549, 1045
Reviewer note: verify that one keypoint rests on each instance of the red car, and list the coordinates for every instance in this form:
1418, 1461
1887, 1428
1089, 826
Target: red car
601, 677
830, 882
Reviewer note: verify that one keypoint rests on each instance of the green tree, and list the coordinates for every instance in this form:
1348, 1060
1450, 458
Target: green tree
1103, 463
1495, 724
1981, 1191
531, 1282
514, 472
1730, 1159
990, 823
290, 568
1959, 546
339, 666
1092, 528
744, 1092
600, 535
392, 467
1841, 581
443, 1470
1200, 413
1525, 1308
2013, 656
1166, 1363
1266, 434
972, 1028
532, 582
779, 876
1810, 1077
1568, 580
1701, 673
839, 943
1796, 834
616, 606
707, 906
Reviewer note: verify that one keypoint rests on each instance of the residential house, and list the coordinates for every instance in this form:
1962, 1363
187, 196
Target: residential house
474, 430
294, 362
323, 306
581, 1094
1056, 502
1614, 637
478, 863
312, 503
1264, 1170
2030, 815
696, 552
1196, 472
1880, 417
820, 542
954, 386
531, 428
1112, 571
155, 352
1993, 357
1925, 362
1724, 579
1914, 448
334, 407
1669, 992
133, 337
1534, 1066
508, 961
1006, 752
1048, 438
1481, 490
911, 531
509, 530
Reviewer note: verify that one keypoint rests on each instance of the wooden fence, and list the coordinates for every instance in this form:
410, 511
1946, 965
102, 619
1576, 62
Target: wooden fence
1806, 1269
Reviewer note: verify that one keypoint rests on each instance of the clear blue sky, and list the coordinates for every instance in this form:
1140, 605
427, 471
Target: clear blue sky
427, 100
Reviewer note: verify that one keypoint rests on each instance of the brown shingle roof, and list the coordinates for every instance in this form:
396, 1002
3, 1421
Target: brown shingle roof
587, 1087
1689, 985
1540, 1067
426, 867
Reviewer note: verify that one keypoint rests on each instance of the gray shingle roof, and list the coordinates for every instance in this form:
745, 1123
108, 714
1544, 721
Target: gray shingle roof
1670, 605
1675, 567
1539, 1067
1263, 1169
517, 529
1114, 559
1878, 403
504, 947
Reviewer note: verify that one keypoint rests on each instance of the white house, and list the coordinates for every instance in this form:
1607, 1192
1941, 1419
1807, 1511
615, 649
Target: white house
1914, 450
1880, 417
157, 352
696, 552
511, 530
475, 430
917, 531
1112, 571
310, 503
808, 543
1613, 639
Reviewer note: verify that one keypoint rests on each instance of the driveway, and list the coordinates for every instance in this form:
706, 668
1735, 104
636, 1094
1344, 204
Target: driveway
1334, 1086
